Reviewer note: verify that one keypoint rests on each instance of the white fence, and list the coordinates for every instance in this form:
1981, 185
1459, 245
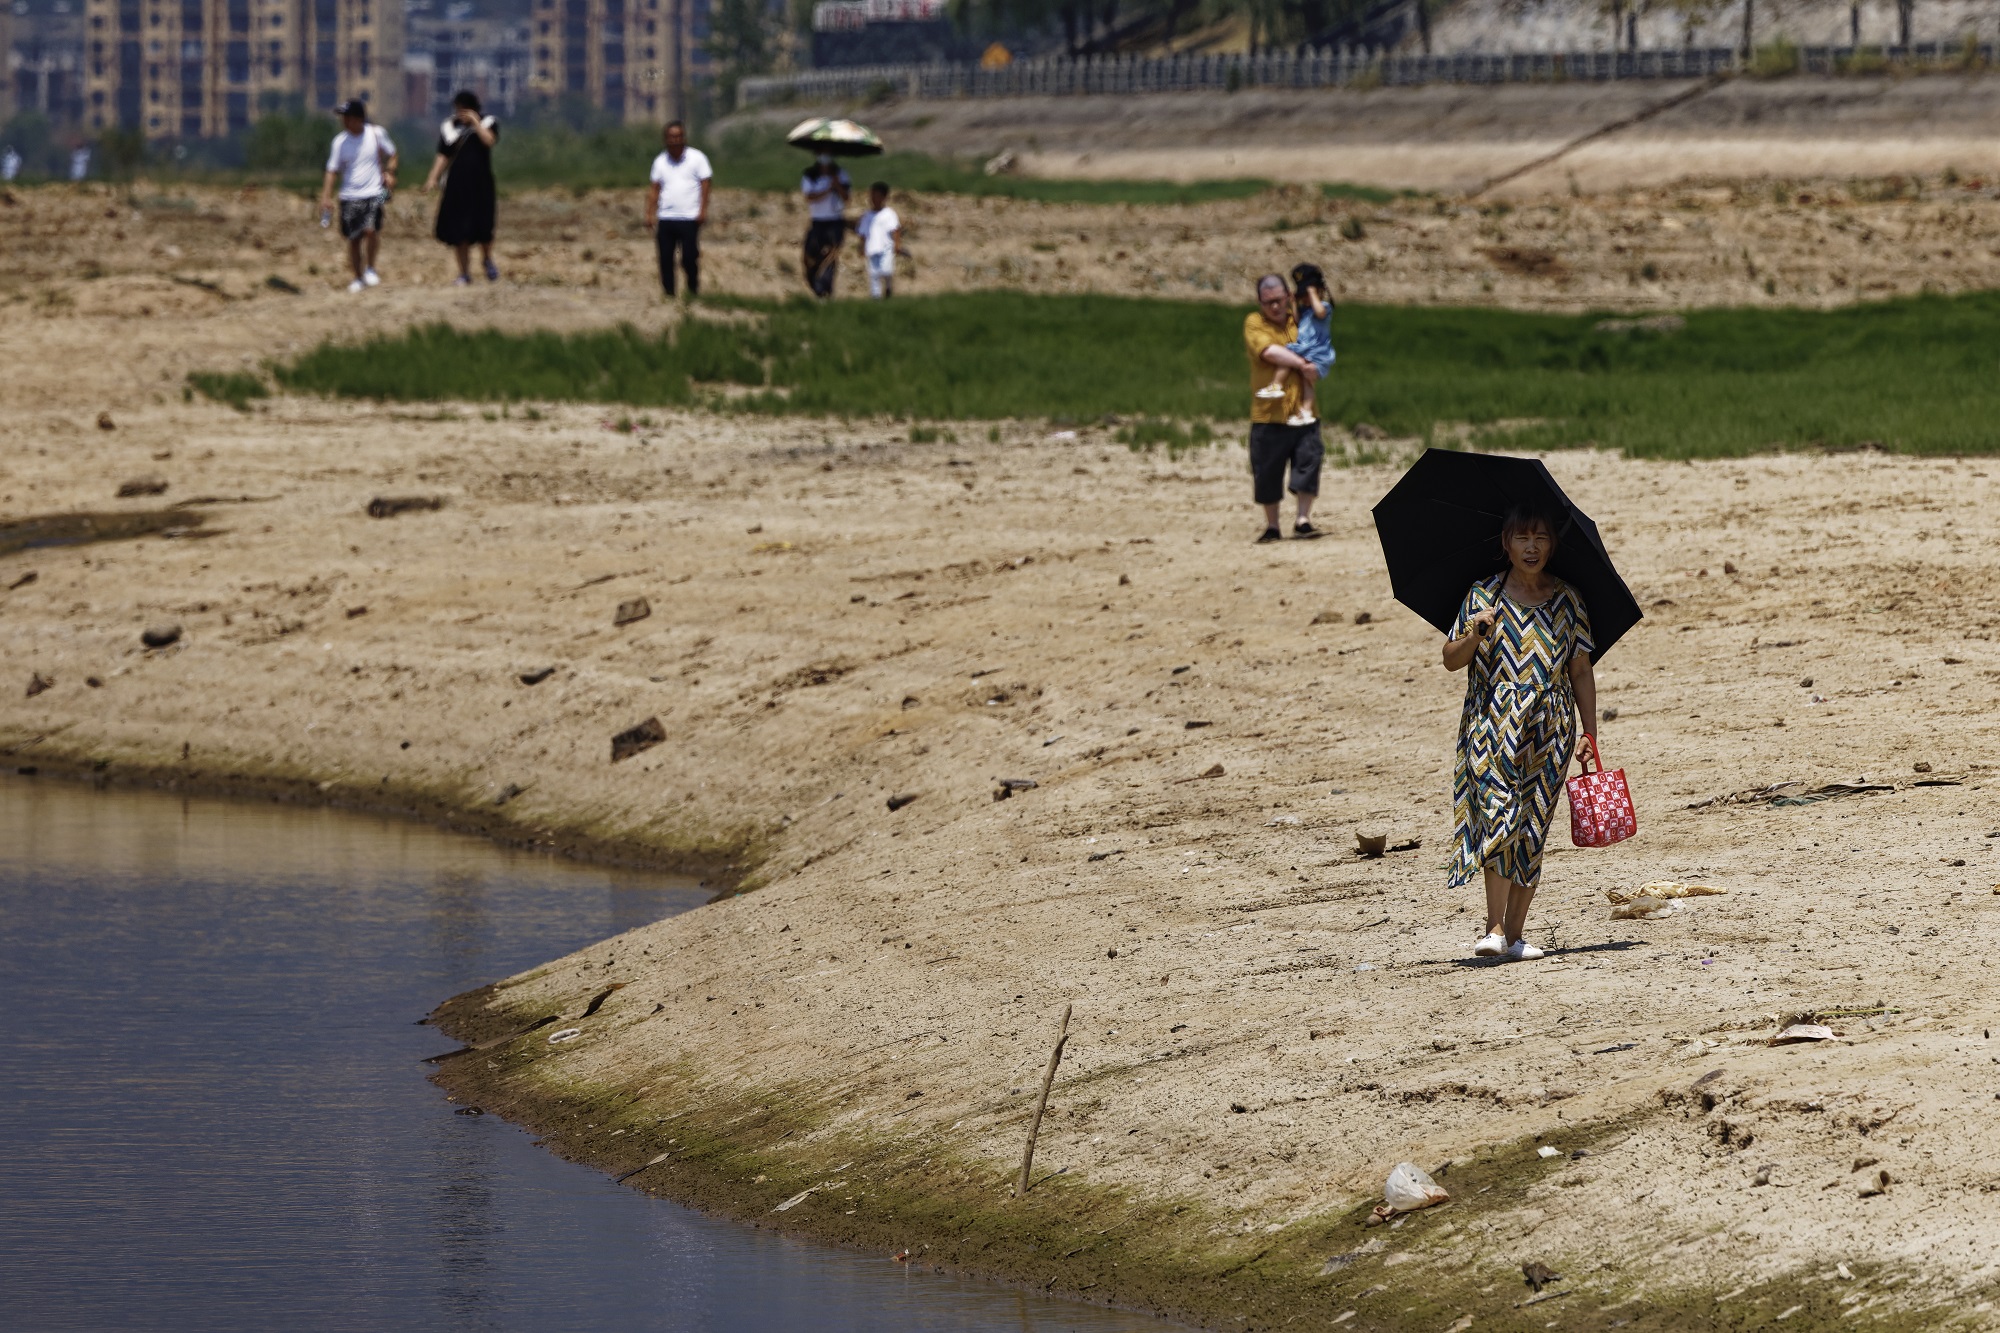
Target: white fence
1114, 75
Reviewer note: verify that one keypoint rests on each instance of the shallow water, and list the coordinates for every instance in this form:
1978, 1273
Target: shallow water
214, 1116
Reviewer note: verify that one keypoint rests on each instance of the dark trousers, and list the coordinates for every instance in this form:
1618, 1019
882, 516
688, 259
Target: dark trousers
823, 242
685, 233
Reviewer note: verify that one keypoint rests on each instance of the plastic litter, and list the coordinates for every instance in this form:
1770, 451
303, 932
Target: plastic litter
567, 1034
1803, 1032
1643, 907
1665, 888
1546, 1151
1409, 1188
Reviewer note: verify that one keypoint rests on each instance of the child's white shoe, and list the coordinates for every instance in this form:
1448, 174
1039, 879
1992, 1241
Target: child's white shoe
1271, 391
1300, 419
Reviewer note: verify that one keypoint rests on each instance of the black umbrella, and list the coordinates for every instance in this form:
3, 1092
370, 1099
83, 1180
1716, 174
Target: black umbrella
1440, 530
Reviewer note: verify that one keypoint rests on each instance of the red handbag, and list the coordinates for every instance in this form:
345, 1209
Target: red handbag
1600, 804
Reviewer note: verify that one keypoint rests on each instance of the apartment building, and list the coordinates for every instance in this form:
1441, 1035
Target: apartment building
633, 58
204, 68
41, 50
487, 56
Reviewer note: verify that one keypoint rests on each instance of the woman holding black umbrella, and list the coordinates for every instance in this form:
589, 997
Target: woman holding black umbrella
1526, 636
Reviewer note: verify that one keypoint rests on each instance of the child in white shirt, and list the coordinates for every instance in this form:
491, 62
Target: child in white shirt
880, 230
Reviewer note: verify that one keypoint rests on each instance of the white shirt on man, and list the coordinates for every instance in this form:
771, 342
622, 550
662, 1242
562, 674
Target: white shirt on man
358, 158
829, 207
680, 184
878, 228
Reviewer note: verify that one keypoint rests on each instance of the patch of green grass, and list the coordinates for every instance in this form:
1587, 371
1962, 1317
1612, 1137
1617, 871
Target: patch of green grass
1366, 194
1912, 375
235, 388
1148, 432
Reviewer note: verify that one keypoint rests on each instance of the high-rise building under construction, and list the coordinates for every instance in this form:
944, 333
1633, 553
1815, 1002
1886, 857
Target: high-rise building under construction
203, 68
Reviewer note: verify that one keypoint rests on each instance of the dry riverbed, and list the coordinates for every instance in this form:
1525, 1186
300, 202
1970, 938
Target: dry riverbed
1265, 1023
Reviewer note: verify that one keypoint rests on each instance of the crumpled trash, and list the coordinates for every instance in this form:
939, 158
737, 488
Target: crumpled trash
1409, 1188
1643, 907
1803, 1032
567, 1034
1665, 888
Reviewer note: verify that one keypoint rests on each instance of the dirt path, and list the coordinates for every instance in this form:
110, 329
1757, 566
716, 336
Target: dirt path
1265, 1022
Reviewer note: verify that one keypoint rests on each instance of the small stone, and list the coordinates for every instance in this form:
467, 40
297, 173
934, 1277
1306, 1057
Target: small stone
1728, 568
901, 799
1921, 767
104, 421
388, 506
634, 740
160, 636
353, 612
1326, 618
537, 676
1362, 617
637, 608
1805, 683
23, 581
37, 682
142, 486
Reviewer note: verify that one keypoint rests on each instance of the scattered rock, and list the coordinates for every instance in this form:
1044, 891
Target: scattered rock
1124, 580
1609, 714
23, 581
901, 799
160, 636
1362, 617
1921, 767
1539, 1274
508, 793
1327, 618
1371, 845
104, 421
1763, 1176
1120, 851
1805, 682
148, 485
388, 506
636, 608
633, 740
354, 612
1212, 771
1879, 1185
1728, 567
278, 284
37, 682
537, 676
93, 682
1018, 784
1195, 726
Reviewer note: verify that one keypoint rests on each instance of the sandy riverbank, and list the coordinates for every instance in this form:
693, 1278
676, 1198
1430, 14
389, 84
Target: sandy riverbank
1264, 1023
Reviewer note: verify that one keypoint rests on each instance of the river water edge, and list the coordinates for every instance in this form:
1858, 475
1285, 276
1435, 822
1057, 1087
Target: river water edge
217, 1117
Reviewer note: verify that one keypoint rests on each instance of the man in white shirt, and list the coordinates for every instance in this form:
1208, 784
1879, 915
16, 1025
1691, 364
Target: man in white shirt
363, 166
881, 232
827, 189
677, 205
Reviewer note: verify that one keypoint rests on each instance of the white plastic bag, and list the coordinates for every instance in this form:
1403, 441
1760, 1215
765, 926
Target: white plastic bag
1409, 1189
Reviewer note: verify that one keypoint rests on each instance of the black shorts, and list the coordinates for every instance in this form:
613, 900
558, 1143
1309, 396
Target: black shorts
358, 217
1275, 447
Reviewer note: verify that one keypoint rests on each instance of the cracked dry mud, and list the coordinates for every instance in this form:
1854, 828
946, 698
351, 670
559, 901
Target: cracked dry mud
840, 616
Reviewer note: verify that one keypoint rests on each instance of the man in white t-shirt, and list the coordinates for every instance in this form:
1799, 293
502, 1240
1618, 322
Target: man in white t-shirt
363, 166
677, 205
881, 232
826, 188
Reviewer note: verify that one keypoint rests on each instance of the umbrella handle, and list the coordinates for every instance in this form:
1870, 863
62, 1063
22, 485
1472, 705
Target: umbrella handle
1594, 761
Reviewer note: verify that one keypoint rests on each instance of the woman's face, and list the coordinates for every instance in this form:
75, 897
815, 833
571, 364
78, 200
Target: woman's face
1529, 548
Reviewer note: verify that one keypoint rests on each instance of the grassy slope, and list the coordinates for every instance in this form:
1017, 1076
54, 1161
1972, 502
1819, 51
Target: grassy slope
1912, 375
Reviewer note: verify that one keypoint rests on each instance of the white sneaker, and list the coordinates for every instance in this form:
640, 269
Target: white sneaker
1520, 951
355, 286
1271, 391
1490, 946
372, 278
1301, 419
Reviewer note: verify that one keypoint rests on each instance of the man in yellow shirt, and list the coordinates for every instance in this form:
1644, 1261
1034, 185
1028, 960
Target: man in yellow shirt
1276, 447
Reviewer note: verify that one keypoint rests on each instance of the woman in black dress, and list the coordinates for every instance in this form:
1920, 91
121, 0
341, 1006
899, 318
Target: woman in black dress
465, 160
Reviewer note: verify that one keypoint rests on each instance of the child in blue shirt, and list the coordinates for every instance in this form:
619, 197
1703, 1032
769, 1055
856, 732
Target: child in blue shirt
1315, 344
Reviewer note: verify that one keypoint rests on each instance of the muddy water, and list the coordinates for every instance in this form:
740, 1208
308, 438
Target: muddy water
214, 1116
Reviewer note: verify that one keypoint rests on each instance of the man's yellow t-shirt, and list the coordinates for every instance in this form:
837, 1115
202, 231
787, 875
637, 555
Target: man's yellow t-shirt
1259, 333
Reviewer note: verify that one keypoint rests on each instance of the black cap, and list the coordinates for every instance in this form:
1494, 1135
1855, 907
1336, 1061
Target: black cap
353, 106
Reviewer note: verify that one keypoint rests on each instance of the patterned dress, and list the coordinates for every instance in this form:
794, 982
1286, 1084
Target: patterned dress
1517, 731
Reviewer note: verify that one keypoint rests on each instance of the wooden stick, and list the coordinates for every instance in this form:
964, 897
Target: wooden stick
1042, 1104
